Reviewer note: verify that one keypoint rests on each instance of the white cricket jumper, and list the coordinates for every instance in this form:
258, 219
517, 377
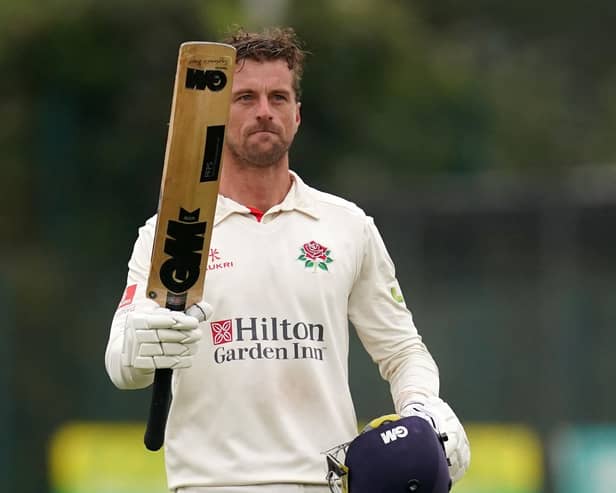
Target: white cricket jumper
268, 391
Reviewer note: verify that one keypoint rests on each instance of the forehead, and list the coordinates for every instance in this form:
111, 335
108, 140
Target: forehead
253, 74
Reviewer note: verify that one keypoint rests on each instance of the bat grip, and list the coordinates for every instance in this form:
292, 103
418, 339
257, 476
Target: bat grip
161, 394
159, 409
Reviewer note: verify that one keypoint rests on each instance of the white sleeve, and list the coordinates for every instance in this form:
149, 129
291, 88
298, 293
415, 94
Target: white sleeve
385, 325
134, 297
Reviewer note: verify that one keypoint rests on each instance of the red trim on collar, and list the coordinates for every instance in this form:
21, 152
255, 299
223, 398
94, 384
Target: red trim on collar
257, 213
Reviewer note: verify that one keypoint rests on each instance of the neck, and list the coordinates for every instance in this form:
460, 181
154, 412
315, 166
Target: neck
254, 186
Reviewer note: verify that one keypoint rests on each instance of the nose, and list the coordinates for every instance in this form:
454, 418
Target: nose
264, 111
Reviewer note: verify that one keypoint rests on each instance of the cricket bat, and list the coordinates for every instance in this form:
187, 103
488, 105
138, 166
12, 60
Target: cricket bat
189, 188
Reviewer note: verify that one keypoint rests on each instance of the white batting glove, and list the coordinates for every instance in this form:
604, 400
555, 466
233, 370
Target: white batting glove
446, 423
157, 337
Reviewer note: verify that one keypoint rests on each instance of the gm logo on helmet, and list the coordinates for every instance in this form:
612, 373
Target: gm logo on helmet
394, 433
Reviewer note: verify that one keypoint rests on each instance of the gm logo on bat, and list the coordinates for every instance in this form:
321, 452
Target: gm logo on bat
214, 80
184, 245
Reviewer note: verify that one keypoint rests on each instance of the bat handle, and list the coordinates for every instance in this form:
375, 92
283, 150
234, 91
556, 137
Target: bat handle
159, 409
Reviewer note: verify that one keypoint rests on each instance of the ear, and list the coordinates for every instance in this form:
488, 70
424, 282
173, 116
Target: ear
298, 116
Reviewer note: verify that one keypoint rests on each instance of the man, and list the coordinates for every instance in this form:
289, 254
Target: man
267, 393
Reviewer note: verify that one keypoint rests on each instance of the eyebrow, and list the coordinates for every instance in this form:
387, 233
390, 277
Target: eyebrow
249, 90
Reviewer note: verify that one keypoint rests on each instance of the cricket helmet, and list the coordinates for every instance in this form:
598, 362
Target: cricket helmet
391, 455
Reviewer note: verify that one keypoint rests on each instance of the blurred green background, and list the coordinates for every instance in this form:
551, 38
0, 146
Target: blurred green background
480, 136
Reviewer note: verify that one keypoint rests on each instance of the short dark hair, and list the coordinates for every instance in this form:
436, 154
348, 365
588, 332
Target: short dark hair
275, 43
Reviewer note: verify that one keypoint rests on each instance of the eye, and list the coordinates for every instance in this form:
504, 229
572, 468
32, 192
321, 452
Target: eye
244, 97
280, 97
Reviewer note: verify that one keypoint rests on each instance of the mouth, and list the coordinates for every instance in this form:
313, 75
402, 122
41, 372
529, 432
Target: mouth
263, 131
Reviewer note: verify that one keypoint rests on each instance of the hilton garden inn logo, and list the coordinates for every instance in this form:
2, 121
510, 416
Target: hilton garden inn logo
253, 338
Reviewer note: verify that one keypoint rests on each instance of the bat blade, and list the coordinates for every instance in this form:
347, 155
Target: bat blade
189, 189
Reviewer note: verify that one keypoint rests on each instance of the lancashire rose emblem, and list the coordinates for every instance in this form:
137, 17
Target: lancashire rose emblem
315, 255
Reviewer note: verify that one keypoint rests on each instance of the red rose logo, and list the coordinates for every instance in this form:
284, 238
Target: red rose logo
314, 255
314, 251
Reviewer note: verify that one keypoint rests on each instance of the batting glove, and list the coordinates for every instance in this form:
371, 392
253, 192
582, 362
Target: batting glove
448, 426
161, 338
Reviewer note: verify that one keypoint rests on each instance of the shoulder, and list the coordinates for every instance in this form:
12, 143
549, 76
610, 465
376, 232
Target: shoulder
338, 204
149, 227
147, 230
151, 222
329, 205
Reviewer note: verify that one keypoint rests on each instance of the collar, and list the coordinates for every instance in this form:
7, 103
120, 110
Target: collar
299, 198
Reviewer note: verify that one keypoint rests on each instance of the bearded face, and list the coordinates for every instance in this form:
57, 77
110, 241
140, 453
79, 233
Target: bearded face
264, 115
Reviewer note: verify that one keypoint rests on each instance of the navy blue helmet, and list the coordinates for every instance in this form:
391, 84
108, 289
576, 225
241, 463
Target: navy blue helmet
391, 455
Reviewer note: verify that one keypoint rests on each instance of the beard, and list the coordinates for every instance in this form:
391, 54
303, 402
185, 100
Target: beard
255, 153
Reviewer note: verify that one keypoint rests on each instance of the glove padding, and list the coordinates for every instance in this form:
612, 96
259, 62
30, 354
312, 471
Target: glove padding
446, 423
157, 337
